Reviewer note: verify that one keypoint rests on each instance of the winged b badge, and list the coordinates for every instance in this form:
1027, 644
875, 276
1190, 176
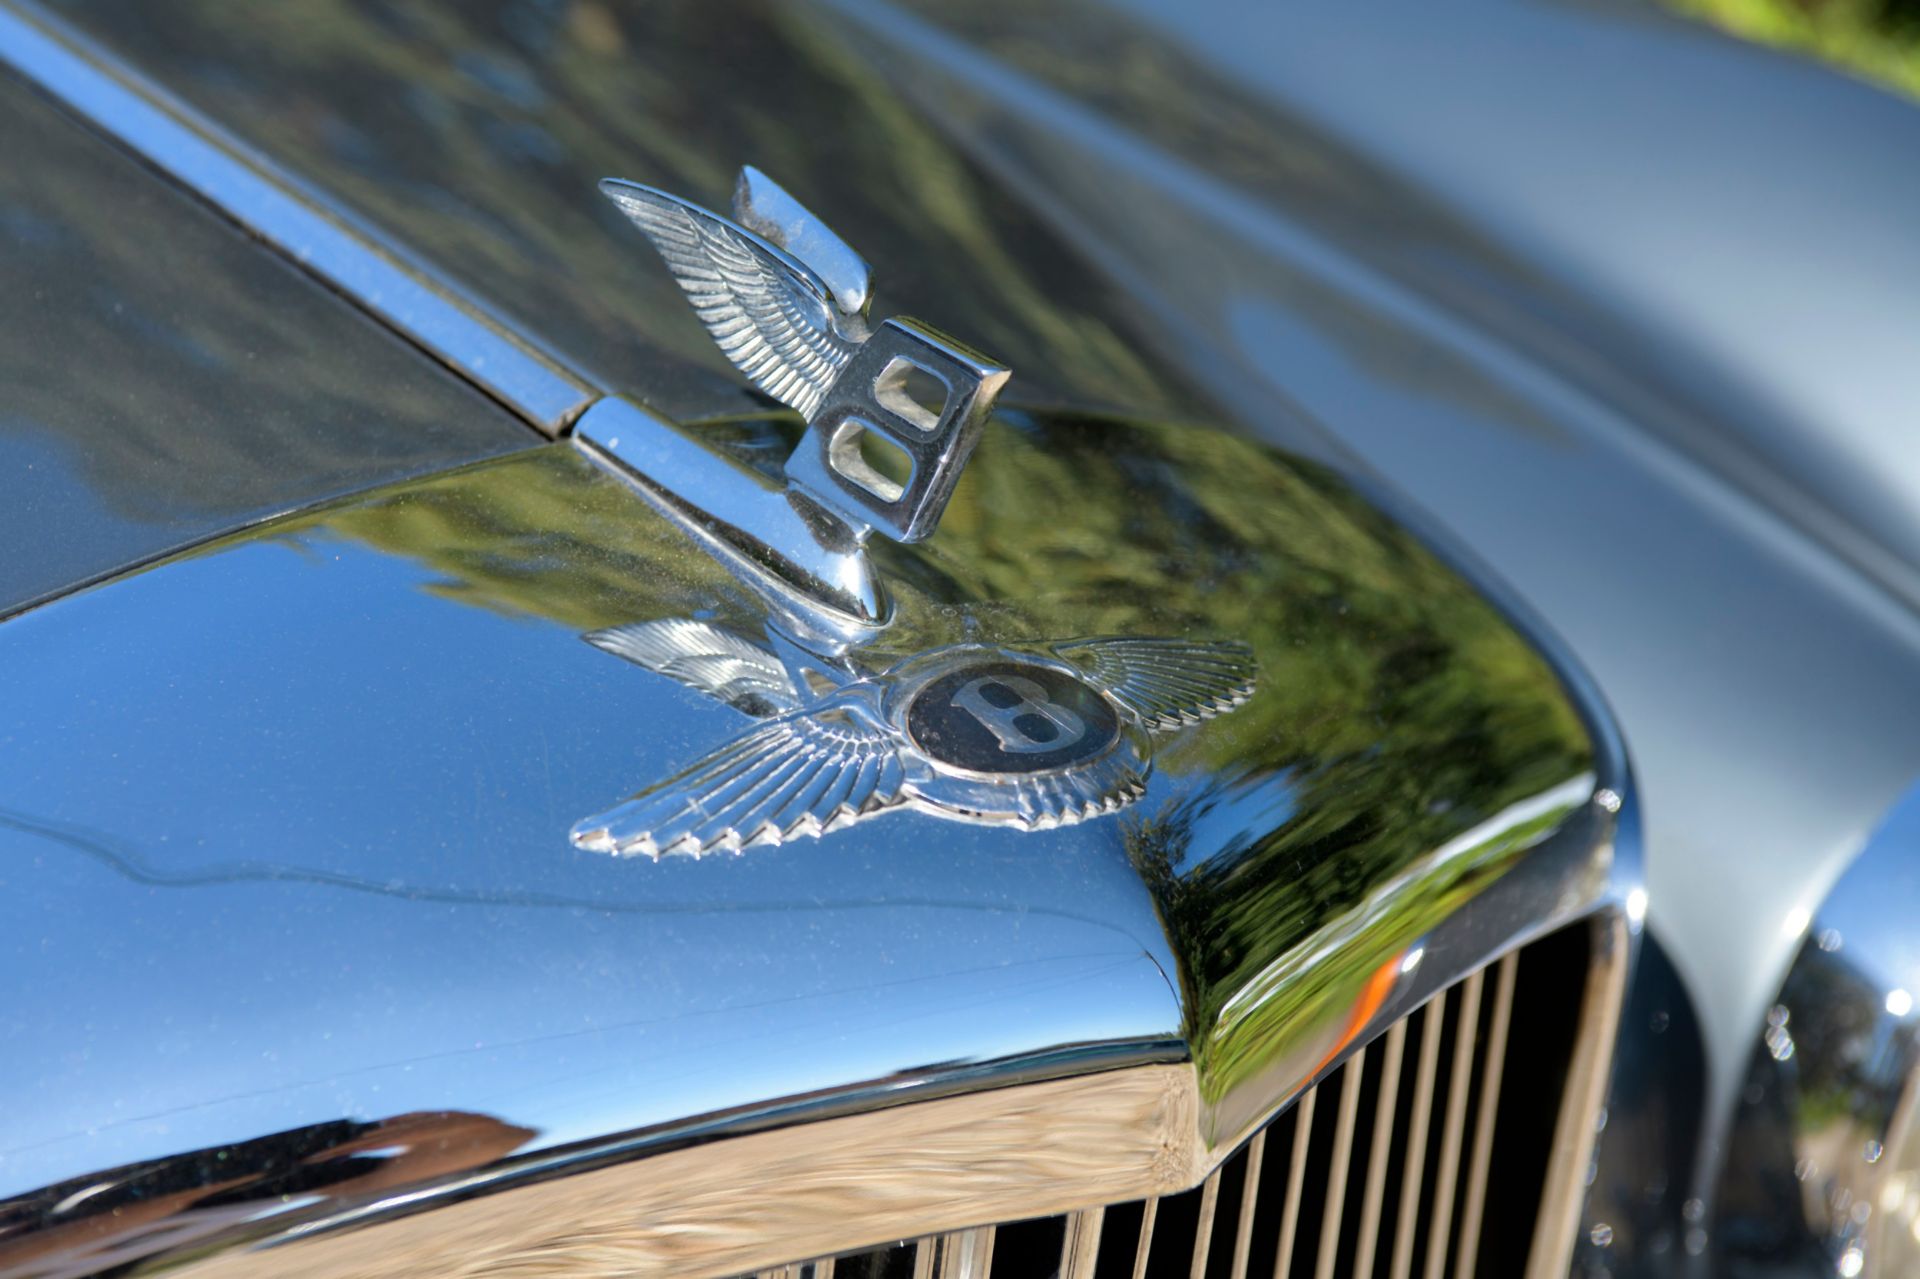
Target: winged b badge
787, 300
1030, 735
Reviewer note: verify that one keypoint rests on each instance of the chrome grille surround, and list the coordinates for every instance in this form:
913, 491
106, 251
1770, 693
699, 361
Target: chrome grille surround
1332, 1189
896, 1140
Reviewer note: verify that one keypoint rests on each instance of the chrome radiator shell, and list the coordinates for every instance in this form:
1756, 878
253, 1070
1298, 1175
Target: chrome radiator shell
305, 910
1340, 1185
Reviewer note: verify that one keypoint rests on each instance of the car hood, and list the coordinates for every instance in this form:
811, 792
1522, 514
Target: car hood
1544, 296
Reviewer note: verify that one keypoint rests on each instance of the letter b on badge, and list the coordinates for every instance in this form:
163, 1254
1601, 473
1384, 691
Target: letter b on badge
1019, 714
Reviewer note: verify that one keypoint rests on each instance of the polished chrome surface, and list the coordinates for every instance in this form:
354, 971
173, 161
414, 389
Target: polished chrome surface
806, 343
1031, 735
809, 569
1376, 255
1080, 1254
764, 207
767, 309
873, 396
1823, 1169
1245, 1217
476, 136
1256, 1034
152, 397
1487, 1107
1078, 1015
1294, 219
1540, 469
1249, 1198
307, 227
1377, 1155
1303, 1110
833, 1184
1333, 1213
966, 1254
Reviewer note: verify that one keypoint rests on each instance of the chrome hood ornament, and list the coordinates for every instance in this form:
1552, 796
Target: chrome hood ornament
1029, 735
786, 299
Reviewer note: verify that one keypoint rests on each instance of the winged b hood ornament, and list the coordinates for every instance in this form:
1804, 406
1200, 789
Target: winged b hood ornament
1030, 735
786, 301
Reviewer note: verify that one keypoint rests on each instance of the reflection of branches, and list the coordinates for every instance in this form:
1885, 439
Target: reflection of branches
477, 132
228, 398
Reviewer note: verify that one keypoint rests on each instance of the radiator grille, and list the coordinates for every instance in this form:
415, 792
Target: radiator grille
1423, 1156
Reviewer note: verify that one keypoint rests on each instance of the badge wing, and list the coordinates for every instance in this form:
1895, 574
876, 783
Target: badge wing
1166, 683
772, 315
804, 773
718, 662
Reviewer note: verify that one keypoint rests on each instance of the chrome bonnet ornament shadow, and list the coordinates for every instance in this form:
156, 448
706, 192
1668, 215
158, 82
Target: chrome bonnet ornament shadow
1030, 735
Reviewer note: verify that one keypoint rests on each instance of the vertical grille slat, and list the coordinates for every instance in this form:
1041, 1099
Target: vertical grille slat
1296, 1182
1334, 1210
966, 1254
1249, 1201
1453, 1128
1487, 1110
1203, 1232
1421, 1119
1080, 1254
1145, 1249
1378, 1153
1398, 1174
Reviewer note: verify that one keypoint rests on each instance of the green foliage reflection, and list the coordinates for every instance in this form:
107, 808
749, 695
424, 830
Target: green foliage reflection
1404, 744
1876, 39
